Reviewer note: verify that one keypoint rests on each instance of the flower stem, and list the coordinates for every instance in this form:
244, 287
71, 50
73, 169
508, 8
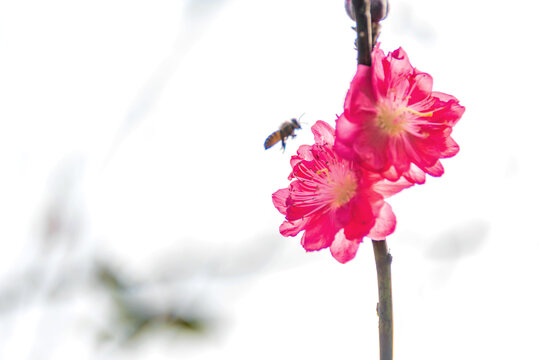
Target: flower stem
385, 304
364, 44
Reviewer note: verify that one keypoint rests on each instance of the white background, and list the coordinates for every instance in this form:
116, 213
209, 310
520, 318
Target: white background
134, 130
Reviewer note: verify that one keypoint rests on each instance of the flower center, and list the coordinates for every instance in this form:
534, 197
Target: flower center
343, 190
394, 122
390, 121
324, 184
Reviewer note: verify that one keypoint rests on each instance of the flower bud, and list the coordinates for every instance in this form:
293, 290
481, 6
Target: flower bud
350, 9
379, 9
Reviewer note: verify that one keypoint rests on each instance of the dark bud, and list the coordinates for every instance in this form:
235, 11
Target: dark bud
379, 9
350, 9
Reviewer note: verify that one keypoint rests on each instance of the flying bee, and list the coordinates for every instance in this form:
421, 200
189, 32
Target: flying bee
286, 130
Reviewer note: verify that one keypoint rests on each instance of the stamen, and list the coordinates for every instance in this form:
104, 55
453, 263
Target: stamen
428, 114
344, 190
324, 171
390, 121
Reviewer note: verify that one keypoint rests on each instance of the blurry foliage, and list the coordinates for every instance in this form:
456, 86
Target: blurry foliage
134, 317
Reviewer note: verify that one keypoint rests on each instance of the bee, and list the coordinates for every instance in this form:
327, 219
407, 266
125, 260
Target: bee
286, 130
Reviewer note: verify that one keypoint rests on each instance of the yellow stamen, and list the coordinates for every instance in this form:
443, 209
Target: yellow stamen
393, 122
324, 171
344, 191
428, 114
390, 121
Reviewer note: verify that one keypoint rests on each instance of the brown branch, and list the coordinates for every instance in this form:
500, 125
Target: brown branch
362, 9
364, 43
385, 304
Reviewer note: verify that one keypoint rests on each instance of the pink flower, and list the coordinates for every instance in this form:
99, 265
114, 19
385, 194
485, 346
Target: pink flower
333, 200
393, 123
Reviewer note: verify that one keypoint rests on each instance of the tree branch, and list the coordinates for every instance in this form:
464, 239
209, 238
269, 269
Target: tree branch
385, 303
362, 9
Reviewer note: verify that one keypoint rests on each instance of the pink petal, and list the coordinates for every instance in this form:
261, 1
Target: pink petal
304, 153
397, 155
295, 212
452, 148
426, 152
391, 174
343, 215
399, 65
400, 87
436, 170
385, 223
447, 111
292, 228
388, 188
415, 175
422, 88
378, 72
360, 97
345, 136
423, 154
346, 131
362, 218
319, 233
443, 96
323, 133
279, 200
344, 150
370, 147
342, 249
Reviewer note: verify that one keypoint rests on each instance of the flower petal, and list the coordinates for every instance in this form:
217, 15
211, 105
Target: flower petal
452, 148
388, 188
371, 150
379, 83
360, 97
391, 174
319, 233
362, 218
346, 135
346, 130
292, 228
323, 133
397, 155
342, 249
415, 175
399, 64
279, 200
448, 109
422, 88
436, 170
385, 223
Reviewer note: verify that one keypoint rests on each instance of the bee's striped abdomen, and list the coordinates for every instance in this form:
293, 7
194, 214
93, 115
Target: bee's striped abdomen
272, 139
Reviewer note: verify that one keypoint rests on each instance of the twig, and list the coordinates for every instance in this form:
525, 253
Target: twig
364, 43
362, 9
385, 304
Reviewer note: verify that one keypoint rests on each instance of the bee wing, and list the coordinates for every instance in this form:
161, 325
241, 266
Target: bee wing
274, 138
